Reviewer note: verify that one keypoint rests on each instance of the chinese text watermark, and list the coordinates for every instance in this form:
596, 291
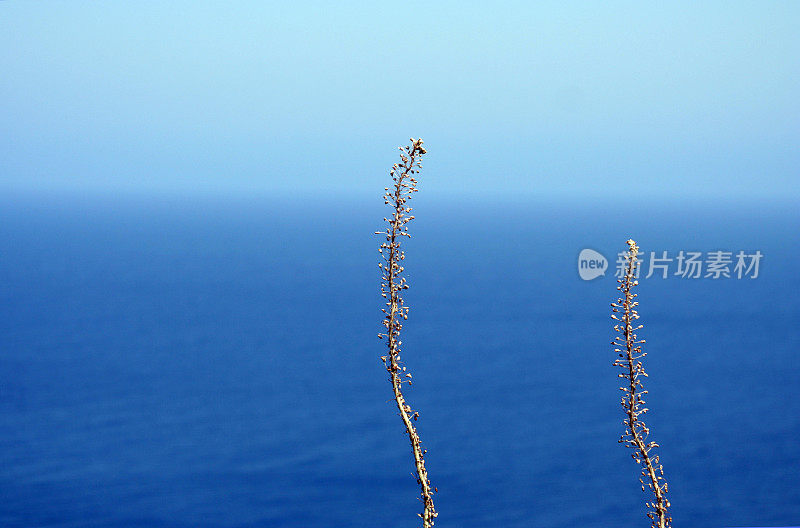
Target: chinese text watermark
683, 264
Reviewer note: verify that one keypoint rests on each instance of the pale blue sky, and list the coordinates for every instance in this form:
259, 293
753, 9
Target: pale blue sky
512, 98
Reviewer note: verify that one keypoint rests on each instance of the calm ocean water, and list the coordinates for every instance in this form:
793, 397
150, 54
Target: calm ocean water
214, 363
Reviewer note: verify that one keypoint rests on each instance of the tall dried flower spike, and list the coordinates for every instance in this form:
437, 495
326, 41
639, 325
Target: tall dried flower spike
392, 285
630, 353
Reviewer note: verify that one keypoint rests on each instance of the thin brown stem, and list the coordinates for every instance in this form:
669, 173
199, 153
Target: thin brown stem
392, 285
636, 432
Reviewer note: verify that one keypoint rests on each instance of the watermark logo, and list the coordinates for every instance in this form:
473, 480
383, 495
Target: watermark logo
682, 265
591, 264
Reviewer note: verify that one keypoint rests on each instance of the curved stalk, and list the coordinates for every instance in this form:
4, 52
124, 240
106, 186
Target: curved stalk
629, 359
392, 285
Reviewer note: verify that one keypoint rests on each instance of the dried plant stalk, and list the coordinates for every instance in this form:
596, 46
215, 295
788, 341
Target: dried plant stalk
392, 285
629, 360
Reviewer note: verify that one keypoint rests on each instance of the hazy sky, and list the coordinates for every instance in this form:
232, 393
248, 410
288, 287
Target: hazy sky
551, 99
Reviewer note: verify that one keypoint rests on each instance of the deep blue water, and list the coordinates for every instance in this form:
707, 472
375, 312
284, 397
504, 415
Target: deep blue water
203, 362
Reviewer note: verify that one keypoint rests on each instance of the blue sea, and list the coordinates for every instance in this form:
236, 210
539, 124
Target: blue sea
200, 361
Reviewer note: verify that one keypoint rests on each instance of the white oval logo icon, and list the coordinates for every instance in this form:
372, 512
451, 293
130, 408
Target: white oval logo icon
591, 264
